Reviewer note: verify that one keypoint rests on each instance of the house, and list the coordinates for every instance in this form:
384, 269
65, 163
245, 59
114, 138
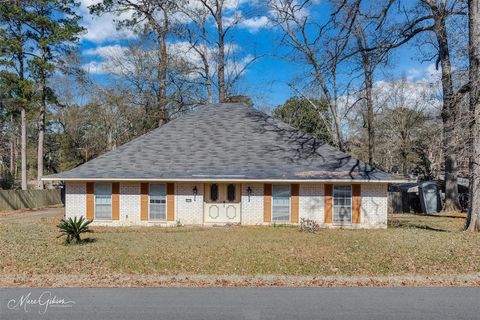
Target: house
227, 163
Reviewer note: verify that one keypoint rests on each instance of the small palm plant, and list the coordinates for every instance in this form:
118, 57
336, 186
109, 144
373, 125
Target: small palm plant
73, 228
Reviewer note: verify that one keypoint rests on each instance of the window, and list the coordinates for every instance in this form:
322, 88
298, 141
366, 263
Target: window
231, 192
103, 201
342, 204
213, 192
281, 203
158, 200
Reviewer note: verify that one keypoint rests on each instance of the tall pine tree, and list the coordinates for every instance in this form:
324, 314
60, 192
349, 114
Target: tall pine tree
54, 29
13, 44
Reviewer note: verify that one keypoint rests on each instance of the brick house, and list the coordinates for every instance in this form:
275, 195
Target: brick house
227, 163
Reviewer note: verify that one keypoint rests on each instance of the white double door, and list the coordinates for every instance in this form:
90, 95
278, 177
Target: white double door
222, 203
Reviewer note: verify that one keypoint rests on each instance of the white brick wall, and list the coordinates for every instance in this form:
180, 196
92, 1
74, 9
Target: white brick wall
311, 202
129, 203
252, 209
374, 205
75, 199
189, 209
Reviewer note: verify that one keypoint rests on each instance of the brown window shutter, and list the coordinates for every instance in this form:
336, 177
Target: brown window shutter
294, 203
90, 201
170, 201
328, 203
267, 202
115, 201
144, 201
356, 202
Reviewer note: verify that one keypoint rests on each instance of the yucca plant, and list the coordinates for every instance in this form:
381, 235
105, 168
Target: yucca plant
73, 228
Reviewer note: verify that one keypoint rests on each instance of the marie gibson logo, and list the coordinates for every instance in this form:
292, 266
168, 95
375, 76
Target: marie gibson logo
42, 302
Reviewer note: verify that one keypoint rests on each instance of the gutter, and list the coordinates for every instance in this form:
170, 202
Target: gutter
233, 179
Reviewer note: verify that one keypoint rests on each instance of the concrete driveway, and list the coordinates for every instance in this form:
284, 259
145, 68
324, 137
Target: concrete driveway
34, 213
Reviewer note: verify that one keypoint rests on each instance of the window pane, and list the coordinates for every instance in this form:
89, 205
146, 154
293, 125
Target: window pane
342, 204
158, 200
213, 192
281, 203
231, 192
103, 201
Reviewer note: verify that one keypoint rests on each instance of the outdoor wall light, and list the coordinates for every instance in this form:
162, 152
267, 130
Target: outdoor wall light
249, 192
195, 191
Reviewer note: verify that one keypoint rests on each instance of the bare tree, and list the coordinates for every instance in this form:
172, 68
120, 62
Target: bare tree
199, 42
473, 218
155, 16
402, 122
368, 68
217, 9
370, 51
321, 50
431, 16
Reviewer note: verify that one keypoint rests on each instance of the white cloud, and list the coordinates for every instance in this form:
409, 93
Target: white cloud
253, 25
110, 59
432, 74
104, 55
104, 51
420, 92
95, 67
100, 29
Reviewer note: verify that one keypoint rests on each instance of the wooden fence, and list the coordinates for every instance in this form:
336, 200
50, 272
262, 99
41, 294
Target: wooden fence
19, 199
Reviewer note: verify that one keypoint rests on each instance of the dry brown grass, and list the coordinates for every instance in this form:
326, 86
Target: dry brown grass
412, 245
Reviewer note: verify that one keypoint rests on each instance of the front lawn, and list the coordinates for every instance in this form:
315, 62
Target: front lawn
412, 245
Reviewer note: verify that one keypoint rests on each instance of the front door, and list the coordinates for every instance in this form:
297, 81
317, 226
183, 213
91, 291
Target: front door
222, 203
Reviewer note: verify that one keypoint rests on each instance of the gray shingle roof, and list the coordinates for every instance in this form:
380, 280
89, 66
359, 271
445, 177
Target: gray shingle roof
225, 141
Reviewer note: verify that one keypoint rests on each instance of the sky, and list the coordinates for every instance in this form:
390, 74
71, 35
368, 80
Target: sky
267, 79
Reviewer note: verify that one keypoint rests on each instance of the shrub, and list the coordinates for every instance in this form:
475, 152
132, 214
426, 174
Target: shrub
7, 181
307, 225
73, 228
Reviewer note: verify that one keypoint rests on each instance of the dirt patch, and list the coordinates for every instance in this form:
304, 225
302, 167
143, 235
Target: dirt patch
32, 213
203, 281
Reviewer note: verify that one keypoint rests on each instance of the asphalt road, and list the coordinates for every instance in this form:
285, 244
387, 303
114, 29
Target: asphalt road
261, 303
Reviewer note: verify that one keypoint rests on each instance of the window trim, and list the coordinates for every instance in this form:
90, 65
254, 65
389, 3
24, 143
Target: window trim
348, 223
149, 188
95, 202
289, 203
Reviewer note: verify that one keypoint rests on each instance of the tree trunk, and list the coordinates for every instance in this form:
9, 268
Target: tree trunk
337, 126
161, 32
209, 91
473, 217
221, 56
12, 148
205, 59
362, 43
17, 142
370, 115
162, 79
41, 132
23, 111
449, 115
23, 115
12, 157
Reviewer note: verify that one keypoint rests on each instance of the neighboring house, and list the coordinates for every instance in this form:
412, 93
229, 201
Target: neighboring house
227, 163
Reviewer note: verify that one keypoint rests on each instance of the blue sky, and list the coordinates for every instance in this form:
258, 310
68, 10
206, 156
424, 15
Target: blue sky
266, 80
